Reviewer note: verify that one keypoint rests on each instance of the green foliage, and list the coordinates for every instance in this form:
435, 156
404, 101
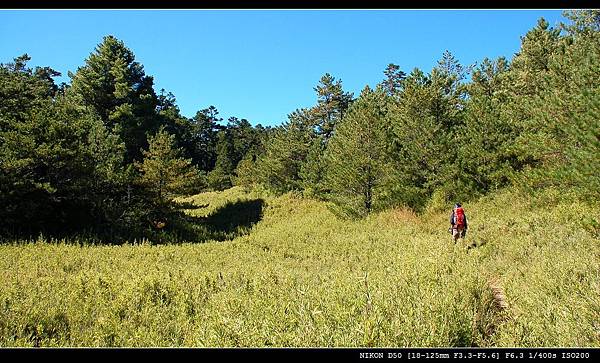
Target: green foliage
564, 134
164, 175
530, 64
237, 142
71, 156
356, 157
394, 79
332, 103
293, 156
23, 89
203, 138
420, 137
439, 202
527, 75
245, 139
285, 152
573, 100
174, 123
246, 174
220, 177
486, 159
163, 171
115, 86
313, 170
58, 164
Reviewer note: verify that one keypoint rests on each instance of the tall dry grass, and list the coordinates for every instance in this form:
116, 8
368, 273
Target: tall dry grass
527, 275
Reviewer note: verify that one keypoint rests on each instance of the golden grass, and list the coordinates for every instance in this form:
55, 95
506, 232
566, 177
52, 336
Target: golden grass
527, 275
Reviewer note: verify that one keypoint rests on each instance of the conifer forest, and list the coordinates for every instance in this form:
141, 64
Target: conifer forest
127, 224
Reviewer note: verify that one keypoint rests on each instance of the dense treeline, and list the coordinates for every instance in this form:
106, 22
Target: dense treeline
419, 139
107, 154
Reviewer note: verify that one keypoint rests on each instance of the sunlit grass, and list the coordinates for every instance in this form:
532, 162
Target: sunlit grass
304, 277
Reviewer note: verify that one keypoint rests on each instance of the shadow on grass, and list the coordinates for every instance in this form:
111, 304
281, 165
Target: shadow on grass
230, 220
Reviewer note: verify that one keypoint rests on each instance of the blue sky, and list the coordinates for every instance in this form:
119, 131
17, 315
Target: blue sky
263, 64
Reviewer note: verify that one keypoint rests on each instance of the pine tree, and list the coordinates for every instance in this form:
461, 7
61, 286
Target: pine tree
203, 138
332, 103
530, 64
164, 175
220, 177
249, 145
59, 167
56, 159
394, 79
485, 161
528, 71
285, 152
246, 173
565, 111
118, 90
312, 170
23, 89
174, 123
425, 121
245, 139
415, 141
356, 157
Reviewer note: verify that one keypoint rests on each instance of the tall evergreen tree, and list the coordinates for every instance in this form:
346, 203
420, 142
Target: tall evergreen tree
392, 84
247, 173
486, 159
530, 64
332, 103
204, 130
59, 167
173, 122
245, 139
22, 89
220, 177
565, 110
528, 71
357, 159
447, 107
285, 152
165, 175
121, 94
415, 135
312, 170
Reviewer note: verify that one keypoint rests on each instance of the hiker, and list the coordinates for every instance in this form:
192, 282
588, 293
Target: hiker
458, 220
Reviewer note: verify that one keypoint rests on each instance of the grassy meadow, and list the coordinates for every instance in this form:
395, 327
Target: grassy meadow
293, 274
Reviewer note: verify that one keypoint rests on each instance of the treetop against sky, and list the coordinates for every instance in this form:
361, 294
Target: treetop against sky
263, 64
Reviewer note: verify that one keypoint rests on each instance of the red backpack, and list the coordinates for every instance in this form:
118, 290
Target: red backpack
460, 216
